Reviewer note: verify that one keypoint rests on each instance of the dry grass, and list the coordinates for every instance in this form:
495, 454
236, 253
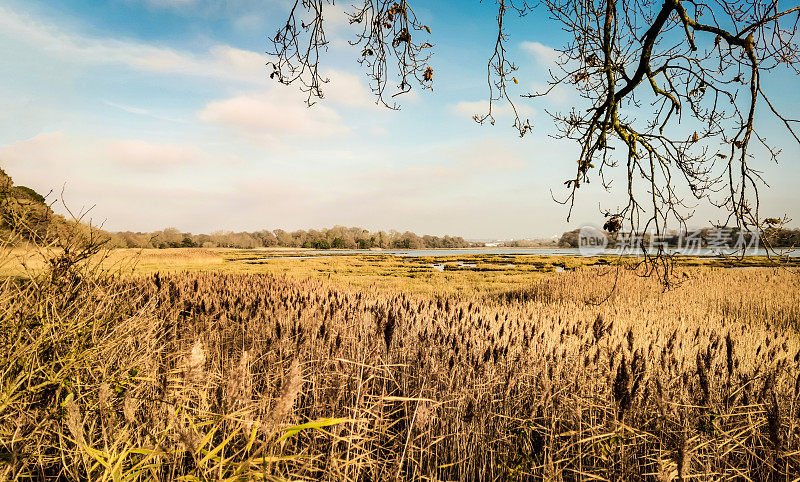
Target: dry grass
149, 260
30, 261
324, 375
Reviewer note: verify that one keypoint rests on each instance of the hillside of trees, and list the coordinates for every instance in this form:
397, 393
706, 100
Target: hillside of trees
338, 237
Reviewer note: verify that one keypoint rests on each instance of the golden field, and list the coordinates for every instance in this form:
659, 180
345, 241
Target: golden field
491, 273
242, 364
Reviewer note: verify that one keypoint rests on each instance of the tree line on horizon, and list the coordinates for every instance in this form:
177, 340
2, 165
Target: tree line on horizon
337, 237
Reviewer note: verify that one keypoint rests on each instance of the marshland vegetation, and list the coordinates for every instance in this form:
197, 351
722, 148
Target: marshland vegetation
372, 368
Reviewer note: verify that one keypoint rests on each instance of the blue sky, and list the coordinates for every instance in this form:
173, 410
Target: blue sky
161, 113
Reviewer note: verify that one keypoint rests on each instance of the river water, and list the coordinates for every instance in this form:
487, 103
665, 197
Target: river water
527, 251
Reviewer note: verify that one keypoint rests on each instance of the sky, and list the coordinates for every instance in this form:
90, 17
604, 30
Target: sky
161, 113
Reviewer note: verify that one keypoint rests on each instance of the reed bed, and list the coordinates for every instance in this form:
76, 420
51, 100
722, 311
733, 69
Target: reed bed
229, 376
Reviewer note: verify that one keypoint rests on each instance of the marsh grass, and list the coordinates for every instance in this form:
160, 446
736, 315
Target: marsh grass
318, 374
492, 273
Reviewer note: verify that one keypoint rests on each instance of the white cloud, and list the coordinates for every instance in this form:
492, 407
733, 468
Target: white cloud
151, 155
546, 56
271, 116
41, 151
245, 61
266, 117
488, 154
221, 62
347, 89
62, 152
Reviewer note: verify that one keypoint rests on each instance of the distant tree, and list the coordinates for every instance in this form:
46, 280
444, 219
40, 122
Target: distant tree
266, 238
313, 235
408, 240
135, 240
169, 237
284, 238
203, 240
299, 238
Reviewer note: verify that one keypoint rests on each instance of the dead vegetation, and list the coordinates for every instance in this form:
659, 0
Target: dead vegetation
235, 376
